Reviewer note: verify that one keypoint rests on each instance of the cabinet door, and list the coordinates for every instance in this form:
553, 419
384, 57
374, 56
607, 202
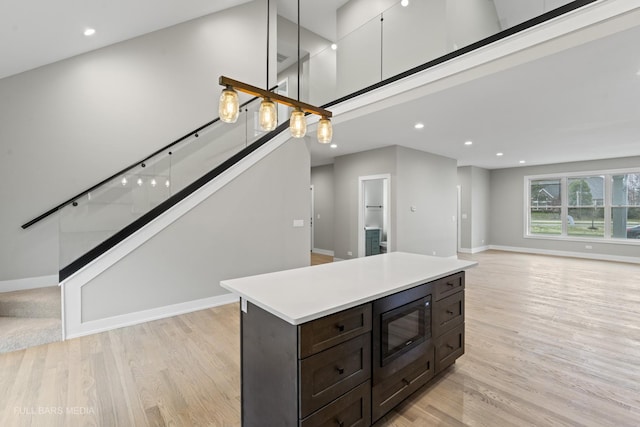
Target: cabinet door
351, 410
449, 347
328, 375
397, 387
334, 329
448, 313
449, 285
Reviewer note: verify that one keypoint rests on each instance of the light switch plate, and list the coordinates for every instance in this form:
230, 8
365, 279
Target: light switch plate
298, 222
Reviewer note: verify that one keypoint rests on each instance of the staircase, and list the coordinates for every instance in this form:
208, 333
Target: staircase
29, 318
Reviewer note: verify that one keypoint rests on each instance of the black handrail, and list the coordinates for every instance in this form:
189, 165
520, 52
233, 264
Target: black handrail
128, 168
185, 192
166, 205
576, 4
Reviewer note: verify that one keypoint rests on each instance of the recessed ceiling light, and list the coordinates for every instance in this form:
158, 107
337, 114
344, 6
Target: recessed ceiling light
468, 143
499, 154
89, 32
419, 125
333, 146
522, 162
334, 46
404, 3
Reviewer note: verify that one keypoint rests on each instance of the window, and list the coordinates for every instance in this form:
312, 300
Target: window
600, 206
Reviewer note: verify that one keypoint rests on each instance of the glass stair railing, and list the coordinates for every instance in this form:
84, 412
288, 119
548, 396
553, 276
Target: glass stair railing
97, 219
365, 59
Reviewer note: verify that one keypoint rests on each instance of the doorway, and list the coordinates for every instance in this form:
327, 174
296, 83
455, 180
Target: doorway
312, 216
374, 215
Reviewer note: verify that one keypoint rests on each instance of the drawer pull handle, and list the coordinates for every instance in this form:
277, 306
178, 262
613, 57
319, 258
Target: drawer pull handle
340, 423
340, 370
406, 382
450, 284
449, 312
340, 328
450, 347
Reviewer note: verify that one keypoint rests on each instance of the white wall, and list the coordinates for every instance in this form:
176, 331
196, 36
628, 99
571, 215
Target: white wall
245, 228
323, 223
426, 182
370, 50
469, 21
66, 126
318, 63
507, 209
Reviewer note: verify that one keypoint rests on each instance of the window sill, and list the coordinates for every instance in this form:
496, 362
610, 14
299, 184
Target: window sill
609, 241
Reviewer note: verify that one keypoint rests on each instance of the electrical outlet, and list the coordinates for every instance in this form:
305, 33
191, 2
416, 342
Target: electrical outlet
588, 247
350, 253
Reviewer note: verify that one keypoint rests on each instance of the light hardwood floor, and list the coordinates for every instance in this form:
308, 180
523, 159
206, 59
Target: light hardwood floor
550, 342
320, 259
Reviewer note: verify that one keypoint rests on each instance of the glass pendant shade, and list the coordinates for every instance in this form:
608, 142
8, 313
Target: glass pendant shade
298, 124
268, 115
229, 108
325, 131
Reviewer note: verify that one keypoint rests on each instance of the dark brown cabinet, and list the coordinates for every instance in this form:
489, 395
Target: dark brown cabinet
448, 320
320, 373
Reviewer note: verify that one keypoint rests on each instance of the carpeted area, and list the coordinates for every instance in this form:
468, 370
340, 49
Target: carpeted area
29, 318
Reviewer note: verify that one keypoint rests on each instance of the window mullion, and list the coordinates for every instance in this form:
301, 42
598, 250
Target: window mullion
608, 191
564, 210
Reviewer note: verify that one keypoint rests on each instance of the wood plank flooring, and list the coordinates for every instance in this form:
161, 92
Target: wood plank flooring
550, 342
320, 259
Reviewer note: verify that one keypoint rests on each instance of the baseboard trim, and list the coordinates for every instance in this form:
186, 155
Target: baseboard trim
28, 283
322, 252
130, 319
568, 254
474, 250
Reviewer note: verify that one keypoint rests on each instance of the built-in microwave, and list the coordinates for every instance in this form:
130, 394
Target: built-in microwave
404, 328
401, 331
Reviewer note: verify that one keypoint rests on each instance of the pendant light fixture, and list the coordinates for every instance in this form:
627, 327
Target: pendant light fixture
325, 131
268, 114
298, 121
229, 108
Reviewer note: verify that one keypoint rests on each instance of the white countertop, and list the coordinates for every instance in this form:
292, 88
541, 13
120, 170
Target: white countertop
304, 294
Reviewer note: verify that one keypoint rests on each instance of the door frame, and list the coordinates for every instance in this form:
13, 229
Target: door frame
386, 191
313, 213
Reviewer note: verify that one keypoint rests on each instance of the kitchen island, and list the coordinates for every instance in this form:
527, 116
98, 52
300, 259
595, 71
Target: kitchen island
343, 343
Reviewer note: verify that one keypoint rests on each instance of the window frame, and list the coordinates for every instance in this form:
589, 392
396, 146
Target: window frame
564, 206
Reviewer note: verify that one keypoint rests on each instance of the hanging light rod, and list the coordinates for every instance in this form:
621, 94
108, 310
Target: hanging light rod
290, 102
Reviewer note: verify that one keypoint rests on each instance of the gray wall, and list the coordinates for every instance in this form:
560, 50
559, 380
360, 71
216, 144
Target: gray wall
481, 208
323, 223
245, 228
466, 215
428, 183
507, 213
475, 186
419, 179
66, 126
347, 169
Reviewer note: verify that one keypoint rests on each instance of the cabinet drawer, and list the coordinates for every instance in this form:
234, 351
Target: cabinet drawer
351, 410
449, 285
331, 330
393, 390
448, 313
328, 375
449, 347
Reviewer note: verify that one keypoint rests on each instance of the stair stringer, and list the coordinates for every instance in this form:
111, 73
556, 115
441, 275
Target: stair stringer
72, 323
